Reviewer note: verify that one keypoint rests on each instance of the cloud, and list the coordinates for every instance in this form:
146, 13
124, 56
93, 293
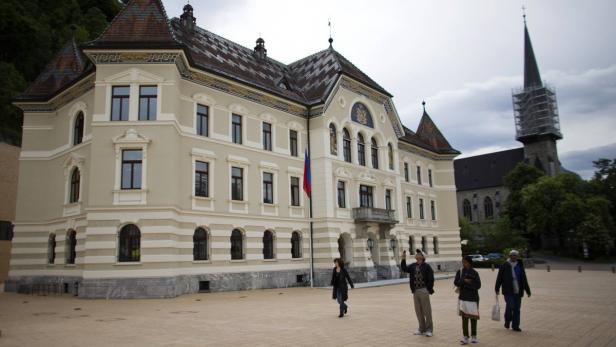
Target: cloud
478, 118
581, 161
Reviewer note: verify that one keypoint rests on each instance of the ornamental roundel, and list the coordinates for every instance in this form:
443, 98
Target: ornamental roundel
361, 115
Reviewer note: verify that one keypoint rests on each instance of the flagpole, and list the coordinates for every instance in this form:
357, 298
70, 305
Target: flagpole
310, 205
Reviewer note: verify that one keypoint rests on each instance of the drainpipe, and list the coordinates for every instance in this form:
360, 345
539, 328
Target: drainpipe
310, 204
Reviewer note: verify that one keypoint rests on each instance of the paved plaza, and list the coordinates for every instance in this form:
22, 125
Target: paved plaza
567, 309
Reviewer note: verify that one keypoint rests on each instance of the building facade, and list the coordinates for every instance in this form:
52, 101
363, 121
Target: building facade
480, 179
9, 169
162, 159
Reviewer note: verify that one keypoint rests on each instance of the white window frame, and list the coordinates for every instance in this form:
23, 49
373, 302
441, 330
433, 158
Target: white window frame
73, 161
202, 202
131, 139
240, 162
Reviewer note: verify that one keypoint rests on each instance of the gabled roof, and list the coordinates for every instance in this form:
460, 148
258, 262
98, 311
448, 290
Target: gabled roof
487, 170
140, 21
429, 133
66, 67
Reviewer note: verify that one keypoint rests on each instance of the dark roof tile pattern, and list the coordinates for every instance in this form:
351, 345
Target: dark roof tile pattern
429, 133
64, 69
487, 170
142, 21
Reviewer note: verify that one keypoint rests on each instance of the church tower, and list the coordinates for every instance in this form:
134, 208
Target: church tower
536, 115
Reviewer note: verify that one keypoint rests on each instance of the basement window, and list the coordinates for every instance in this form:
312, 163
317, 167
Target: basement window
204, 286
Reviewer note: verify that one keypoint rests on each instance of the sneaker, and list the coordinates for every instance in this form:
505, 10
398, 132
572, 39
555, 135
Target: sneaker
464, 340
474, 339
428, 333
418, 332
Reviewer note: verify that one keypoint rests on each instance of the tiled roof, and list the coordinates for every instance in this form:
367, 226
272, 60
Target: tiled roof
429, 133
143, 21
66, 67
487, 170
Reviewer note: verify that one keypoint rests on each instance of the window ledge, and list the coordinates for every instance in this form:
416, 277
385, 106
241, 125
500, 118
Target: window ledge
268, 204
204, 198
238, 260
300, 207
202, 261
50, 265
297, 259
270, 260
141, 190
245, 202
128, 263
70, 265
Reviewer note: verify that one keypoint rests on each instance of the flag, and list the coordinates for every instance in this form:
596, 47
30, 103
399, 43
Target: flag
307, 180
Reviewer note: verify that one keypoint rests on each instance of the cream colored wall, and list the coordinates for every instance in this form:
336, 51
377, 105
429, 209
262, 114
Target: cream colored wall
168, 219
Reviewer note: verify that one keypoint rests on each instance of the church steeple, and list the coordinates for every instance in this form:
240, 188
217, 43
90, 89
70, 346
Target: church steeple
532, 78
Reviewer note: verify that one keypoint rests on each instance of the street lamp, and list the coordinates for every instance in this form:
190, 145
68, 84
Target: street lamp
370, 244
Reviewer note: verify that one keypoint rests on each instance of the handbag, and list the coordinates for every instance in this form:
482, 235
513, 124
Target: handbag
496, 311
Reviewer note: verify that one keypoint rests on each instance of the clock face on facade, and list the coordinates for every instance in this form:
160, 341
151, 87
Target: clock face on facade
361, 115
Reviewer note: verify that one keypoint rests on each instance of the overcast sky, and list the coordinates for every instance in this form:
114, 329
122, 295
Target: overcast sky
462, 57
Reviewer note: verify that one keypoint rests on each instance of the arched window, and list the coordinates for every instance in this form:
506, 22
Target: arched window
375, 153
51, 249
130, 244
435, 245
411, 245
74, 191
200, 244
488, 207
78, 129
71, 244
424, 244
346, 145
361, 150
268, 245
466, 210
237, 247
390, 154
333, 140
296, 245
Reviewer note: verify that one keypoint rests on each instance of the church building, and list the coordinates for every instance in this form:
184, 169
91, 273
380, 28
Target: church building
480, 179
162, 159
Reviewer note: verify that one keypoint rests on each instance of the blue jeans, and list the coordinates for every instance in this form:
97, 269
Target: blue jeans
512, 310
340, 299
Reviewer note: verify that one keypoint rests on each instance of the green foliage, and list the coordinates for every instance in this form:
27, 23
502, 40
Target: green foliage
521, 176
32, 32
490, 237
604, 181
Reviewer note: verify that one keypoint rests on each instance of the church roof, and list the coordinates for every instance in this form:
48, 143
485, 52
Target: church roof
487, 170
65, 68
532, 78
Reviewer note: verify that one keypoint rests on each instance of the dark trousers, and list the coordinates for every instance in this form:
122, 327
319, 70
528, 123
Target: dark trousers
512, 310
465, 326
340, 299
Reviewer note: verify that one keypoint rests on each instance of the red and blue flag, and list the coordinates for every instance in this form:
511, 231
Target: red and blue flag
307, 179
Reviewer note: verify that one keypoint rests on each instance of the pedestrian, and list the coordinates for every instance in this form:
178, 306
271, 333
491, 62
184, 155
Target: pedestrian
467, 284
512, 277
421, 280
340, 278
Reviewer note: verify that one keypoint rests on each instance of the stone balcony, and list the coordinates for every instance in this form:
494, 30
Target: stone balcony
374, 215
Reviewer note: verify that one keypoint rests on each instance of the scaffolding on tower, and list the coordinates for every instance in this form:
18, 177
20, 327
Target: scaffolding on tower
536, 112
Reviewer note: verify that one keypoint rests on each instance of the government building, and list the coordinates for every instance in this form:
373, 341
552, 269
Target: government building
161, 159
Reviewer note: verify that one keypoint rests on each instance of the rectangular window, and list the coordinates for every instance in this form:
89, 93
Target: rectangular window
409, 207
268, 188
418, 174
131, 168
421, 209
430, 177
236, 129
361, 153
147, 102
406, 172
346, 149
203, 114
341, 195
237, 183
119, 103
293, 142
365, 196
294, 191
432, 210
267, 136
202, 170
388, 199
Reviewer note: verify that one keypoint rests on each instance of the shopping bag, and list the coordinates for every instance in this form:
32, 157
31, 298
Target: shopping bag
496, 311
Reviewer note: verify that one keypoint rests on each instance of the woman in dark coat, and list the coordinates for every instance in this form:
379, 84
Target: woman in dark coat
340, 277
467, 284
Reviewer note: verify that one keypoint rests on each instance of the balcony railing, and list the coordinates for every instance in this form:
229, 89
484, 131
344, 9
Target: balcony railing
374, 215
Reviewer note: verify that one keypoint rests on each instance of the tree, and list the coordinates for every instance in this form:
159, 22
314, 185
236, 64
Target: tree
604, 181
521, 176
